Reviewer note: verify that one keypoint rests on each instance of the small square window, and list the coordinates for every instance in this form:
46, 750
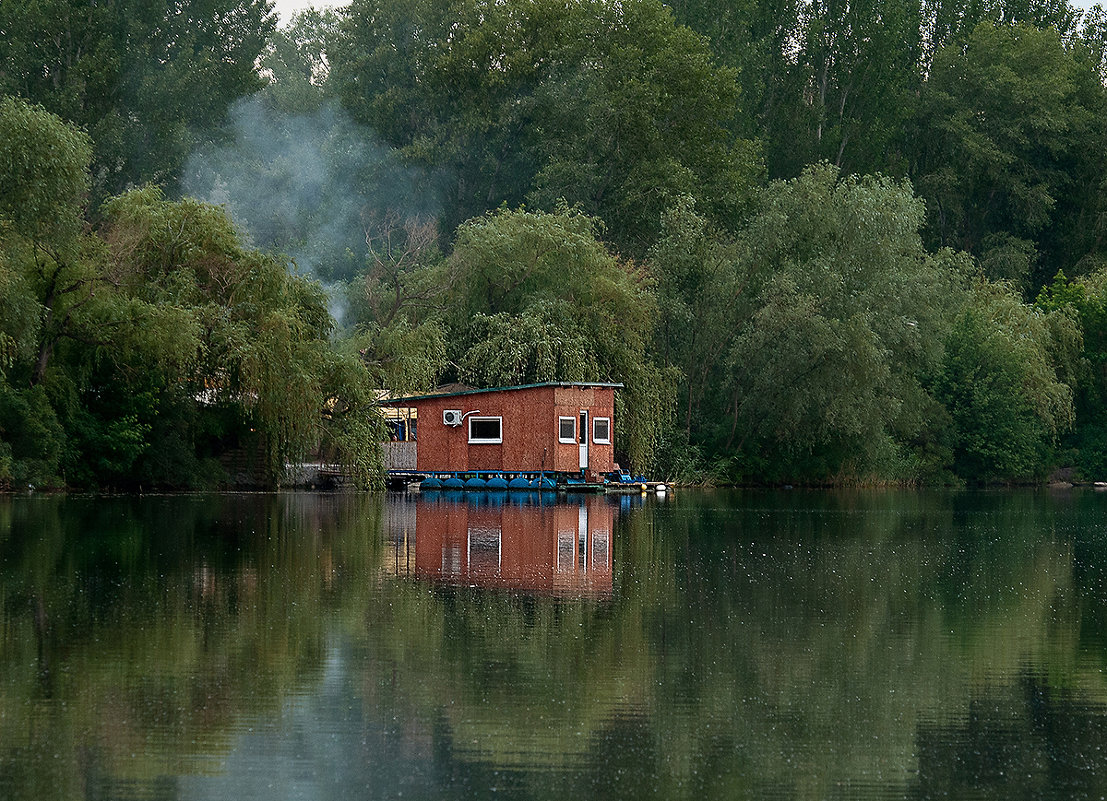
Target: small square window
566, 429
601, 429
486, 430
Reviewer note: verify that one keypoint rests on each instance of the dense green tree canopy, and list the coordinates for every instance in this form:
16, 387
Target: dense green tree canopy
397, 305
43, 179
828, 374
297, 61
148, 79
49, 266
531, 190
847, 93
1000, 385
839, 81
250, 335
613, 106
134, 352
706, 292
1010, 131
43, 173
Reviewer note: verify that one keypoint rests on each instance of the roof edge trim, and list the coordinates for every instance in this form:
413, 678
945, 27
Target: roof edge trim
580, 384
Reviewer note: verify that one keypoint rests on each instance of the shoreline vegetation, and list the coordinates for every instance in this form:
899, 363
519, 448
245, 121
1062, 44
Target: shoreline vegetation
816, 249
1061, 480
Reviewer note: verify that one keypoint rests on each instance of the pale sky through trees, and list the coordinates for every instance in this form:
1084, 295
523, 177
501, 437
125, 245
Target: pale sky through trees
287, 7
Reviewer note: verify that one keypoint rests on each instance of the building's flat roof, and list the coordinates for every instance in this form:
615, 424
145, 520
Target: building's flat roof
581, 384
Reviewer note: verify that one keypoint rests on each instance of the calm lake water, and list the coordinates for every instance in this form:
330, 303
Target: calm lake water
710, 645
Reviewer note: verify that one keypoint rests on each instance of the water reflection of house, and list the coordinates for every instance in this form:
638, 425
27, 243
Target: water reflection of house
560, 549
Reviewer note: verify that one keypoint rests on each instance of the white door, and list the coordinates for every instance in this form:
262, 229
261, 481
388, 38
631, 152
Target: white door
583, 439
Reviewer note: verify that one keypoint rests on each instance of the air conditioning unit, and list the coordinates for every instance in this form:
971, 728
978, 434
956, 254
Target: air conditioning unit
451, 417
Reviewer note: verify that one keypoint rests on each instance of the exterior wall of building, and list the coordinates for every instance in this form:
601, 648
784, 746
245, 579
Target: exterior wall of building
399, 455
529, 427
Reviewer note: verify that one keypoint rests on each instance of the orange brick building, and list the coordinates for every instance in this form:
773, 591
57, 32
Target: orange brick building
553, 427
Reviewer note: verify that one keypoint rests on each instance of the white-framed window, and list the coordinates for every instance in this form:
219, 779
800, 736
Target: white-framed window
601, 429
566, 429
486, 430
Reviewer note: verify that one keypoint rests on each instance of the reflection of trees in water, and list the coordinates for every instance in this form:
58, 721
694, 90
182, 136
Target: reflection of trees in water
163, 621
845, 626
1025, 740
794, 645
807, 645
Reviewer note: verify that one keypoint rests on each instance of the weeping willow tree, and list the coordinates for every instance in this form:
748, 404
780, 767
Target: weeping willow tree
535, 296
43, 177
236, 330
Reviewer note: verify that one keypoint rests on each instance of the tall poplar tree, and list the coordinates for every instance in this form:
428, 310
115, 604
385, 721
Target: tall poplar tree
1009, 138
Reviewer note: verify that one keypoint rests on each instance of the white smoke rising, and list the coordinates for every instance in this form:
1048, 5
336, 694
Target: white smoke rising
307, 187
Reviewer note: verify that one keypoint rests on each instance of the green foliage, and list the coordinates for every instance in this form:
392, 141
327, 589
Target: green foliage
827, 369
110, 447
161, 342
540, 344
706, 293
840, 81
1000, 386
1009, 126
644, 412
1093, 38
32, 441
612, 106
503, 262
848, 92
402, 357
148, 80
43, 173
19, 313
259, 335
396, 303
296, 61
5, 465
534, 296
797, 332
401, 282
636, 114
1086, 300
49, 265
